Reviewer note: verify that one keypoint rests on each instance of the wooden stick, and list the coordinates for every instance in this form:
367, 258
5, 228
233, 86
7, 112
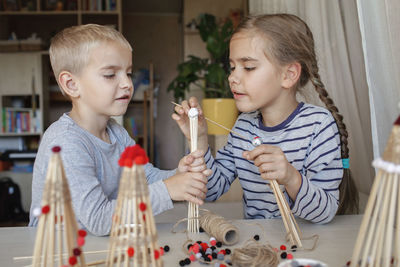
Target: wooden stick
216, 123
365, 223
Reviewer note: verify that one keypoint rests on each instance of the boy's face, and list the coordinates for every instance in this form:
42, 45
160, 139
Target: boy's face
105, 83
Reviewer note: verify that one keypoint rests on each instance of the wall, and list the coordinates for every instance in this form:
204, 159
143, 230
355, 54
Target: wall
157, 37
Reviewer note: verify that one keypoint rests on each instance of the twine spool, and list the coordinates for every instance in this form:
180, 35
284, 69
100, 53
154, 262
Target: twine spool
216, 226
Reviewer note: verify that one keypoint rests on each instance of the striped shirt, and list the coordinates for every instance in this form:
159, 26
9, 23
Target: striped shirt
309, 138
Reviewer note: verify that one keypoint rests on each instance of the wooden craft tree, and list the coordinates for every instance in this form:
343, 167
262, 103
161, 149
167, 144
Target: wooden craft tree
133, 238
193, 210
378, 241
58, 240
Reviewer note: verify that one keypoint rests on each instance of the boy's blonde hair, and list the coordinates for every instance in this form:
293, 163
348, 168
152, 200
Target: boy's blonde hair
70, 48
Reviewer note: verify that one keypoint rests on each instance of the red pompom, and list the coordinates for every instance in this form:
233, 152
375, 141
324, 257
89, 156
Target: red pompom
45, 209
156, 254
133, 154
142, 206
76, 251
289, 256
72, 260
130, 251
397, 122
80, 241
283, 247
56, 149
82, 233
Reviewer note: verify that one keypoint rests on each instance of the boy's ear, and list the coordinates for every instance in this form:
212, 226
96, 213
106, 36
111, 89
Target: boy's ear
291, 74
68, 83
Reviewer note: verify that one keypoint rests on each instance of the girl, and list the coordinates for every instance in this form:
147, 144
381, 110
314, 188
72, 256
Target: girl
304, 147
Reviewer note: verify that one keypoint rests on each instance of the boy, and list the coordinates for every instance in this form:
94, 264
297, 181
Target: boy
93, 66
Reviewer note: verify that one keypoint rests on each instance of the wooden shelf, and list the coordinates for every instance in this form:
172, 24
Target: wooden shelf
19, 134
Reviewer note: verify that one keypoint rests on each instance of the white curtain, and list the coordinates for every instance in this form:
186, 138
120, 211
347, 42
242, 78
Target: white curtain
338, 46
380, 31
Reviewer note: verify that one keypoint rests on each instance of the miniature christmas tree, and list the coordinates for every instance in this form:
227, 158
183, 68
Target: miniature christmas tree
58, 240
133, 238
378, 241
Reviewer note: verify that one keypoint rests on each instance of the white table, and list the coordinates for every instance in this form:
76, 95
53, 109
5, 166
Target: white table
335, 245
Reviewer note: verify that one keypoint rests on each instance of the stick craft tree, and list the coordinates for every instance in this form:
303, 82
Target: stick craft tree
133, 238
58, 240
378, 241
193, 210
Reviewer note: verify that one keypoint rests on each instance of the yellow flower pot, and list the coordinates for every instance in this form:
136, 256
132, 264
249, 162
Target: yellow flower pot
222, 111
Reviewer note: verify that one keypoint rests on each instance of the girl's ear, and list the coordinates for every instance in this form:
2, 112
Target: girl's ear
68, 84
291, 74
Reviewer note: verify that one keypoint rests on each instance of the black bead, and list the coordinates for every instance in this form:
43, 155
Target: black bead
256, 237
214, 255
294, 248
283, 255
213, 248
199, 242
182, 263
187, 261
201, 230
166, 248
207, 259
219, 244
228, 251
188, 246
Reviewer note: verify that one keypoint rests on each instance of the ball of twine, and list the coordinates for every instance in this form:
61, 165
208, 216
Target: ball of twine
216, 226
255, 254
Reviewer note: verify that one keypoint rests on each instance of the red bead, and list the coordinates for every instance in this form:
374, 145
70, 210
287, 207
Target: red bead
144, 217
130, 251
289, 256
192, 257
82, 233
76, 252
283, 247
196, 248
209, 256
161, 251
72, 260
80, 241
142, 206
45, 209
222, 265
204, 246
156, 254
223, 251
348, 263
213, 242
56, 149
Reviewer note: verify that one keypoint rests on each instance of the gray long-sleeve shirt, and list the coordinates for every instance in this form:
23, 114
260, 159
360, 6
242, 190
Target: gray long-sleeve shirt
93, 173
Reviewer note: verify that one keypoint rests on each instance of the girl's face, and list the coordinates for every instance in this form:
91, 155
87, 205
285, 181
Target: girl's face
254, 81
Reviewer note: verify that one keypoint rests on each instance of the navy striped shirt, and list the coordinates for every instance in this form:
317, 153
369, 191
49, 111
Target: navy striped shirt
309, 138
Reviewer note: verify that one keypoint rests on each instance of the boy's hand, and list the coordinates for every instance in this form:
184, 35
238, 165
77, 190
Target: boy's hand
182, 119
272, 164
194, 162
189, 186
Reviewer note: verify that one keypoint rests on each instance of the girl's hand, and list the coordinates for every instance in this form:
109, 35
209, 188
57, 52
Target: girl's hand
272, 164
182, 119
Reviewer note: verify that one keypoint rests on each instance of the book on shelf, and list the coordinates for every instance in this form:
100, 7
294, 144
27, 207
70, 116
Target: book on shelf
20, 120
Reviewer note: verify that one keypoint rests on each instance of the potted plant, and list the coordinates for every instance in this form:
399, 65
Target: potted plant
209, 74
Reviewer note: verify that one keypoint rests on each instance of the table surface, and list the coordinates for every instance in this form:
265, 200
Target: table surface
335, 245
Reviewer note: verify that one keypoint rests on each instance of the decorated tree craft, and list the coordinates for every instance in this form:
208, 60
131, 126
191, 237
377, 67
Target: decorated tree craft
58, 240
133, 238
378, 241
